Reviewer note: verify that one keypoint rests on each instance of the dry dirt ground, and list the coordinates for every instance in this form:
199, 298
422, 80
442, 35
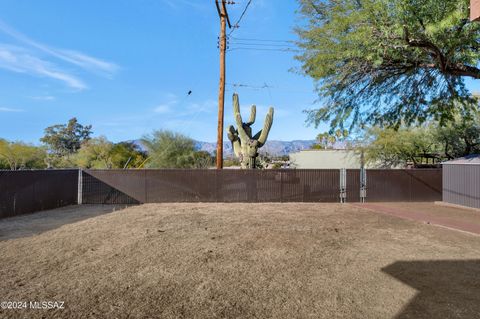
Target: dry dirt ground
239, 261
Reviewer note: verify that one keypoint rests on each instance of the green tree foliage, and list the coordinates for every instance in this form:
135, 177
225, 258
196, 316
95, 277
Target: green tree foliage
393, 148
231, 161
95, 153
66, 139
168, 149
18, 155
202, 159
460, 137
127, 155
389, 62
99, 153
390, 147
327, 140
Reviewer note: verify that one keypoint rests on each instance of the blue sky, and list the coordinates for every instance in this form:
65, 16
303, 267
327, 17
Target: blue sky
126, 66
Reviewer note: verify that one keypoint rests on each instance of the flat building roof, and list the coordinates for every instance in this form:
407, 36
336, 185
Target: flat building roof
474, 10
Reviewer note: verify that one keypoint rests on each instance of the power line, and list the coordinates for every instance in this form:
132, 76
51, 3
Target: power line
236, 25
265, 49
264, 44
266, 86
261, 40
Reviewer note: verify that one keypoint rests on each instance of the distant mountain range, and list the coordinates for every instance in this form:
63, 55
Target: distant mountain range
273, 148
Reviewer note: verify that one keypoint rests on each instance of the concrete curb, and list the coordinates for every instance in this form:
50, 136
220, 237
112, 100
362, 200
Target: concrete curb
445, 204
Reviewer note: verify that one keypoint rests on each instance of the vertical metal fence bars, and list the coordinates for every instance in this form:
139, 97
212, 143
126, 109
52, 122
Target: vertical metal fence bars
363, 185
301, 185
343, 185
80, 187
30, 191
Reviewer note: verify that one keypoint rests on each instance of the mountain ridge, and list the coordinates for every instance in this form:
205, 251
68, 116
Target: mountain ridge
272, 148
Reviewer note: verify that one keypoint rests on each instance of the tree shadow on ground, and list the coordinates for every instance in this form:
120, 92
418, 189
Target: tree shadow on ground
446, 288
37, 223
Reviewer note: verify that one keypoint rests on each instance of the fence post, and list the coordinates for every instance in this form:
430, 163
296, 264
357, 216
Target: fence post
343, 185
363, 185
80, 188
216, 185
281, 186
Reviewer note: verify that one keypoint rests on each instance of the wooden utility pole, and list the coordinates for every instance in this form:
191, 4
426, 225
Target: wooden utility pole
222, 44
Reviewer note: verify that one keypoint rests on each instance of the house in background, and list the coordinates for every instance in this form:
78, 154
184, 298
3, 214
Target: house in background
327, 159
474, 10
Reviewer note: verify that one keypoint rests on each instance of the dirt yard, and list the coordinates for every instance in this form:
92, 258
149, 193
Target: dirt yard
237, 261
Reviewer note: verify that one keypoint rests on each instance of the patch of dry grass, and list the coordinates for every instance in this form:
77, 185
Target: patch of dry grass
244, 261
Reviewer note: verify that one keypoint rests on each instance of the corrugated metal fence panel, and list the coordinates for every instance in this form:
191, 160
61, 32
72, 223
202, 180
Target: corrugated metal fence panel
353, 185
113, 187
235, 186
461, 184
29, 191
404, 185
303, 185
176, 185
23, 192
269, 186
426, 185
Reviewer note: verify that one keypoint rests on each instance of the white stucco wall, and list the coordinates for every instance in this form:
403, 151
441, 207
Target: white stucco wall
326, 159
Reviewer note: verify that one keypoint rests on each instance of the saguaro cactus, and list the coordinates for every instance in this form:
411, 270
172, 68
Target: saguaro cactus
245, 146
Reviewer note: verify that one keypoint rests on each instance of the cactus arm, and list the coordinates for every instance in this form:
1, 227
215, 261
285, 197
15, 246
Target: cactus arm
232, 134
233, 137
241, 130
253, 115
266, 127
237, 148
236, 110
238, 118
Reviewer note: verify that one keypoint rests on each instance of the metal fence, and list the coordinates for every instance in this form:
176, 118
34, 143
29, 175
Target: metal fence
163, 186
24, 192
412, 185
29, 191
461, 184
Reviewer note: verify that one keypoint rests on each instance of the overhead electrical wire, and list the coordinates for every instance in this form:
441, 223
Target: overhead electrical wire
261, 40
265, 49
261, 45
264, 44
236, 24
265, 86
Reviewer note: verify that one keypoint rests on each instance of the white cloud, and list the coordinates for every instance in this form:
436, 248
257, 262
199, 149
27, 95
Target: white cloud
77, 58
19, 60
184, 109
166, 107
162, 109
175, 4
8, 109
87, 62
206, 106
32, 60
44, 98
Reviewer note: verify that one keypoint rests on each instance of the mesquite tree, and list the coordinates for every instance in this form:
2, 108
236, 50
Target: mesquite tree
389, 62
